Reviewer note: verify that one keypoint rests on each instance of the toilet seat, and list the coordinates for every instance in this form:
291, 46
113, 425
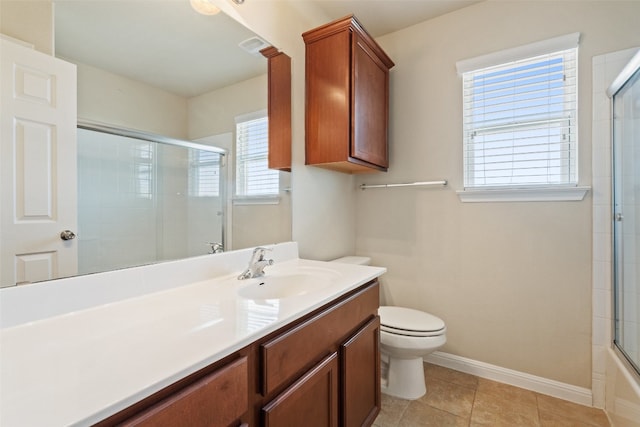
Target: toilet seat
408, 322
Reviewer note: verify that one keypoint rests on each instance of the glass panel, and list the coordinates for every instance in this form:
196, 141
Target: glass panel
140, 202
626, 146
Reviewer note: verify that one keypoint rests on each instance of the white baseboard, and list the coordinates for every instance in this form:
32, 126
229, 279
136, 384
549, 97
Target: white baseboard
541, 385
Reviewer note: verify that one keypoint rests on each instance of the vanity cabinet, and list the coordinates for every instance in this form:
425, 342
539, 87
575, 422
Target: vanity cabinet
279, 108
216, 396
331, 358
217, 399
360, 367
322, 369
310, 401
347, 98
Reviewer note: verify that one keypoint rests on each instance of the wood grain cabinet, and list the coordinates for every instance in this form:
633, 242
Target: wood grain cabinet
279, 108
311, 401
347, 98
348, 332
360, 368
218, 399
321, 370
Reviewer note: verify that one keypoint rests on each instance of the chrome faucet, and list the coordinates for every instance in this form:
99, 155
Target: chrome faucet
216, 248
257, 263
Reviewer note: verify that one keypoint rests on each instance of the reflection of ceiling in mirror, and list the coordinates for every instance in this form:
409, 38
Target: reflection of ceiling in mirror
165, 44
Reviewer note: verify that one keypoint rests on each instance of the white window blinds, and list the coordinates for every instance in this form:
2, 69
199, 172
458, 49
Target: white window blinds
253, 177
520, 126
204, 173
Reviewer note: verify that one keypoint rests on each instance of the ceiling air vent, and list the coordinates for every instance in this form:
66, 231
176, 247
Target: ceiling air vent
254, 45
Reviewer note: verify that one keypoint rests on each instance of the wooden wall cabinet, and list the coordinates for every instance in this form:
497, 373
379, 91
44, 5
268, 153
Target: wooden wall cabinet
347, 98
321, 370
279, 108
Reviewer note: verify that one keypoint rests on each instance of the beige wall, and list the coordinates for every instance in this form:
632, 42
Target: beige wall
30, 21
214, 112
118, 101
511, 280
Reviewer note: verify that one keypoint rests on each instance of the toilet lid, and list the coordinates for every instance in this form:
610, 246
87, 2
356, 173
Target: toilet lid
406, 321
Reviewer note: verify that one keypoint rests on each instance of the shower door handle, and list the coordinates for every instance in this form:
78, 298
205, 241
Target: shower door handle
618, 217
67, 235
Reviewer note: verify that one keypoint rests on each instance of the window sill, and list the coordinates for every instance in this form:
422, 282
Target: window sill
534, 194
258, 200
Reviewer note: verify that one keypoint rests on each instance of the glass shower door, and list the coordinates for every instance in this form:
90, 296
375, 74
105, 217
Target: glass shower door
142, 201
626, 150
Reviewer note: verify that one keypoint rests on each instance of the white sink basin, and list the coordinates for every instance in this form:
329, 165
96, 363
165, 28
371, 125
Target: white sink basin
279, 285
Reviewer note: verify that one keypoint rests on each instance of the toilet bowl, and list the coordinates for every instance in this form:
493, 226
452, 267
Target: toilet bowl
406, 336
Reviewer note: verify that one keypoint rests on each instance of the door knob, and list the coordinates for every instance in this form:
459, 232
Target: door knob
67, 235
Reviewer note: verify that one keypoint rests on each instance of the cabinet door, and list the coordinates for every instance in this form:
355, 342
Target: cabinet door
279, 107
312, 401
327, 99
360, 357
369, 106
216, 400
293, 352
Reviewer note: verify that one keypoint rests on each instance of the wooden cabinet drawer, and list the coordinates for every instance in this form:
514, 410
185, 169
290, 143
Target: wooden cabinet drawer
215, 400
311, 401
293, 352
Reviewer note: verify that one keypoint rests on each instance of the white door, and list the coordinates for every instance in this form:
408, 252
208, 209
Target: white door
37, 165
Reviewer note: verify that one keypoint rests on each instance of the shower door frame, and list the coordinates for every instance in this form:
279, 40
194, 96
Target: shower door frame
161, 139
630, 71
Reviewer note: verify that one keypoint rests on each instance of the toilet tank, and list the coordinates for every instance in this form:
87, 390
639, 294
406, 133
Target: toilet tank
360, 260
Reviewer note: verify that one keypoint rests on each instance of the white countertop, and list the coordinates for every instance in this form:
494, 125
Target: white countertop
80, 367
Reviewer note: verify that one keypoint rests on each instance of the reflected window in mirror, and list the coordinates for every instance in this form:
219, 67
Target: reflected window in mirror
204, 174
143, 165
253, 177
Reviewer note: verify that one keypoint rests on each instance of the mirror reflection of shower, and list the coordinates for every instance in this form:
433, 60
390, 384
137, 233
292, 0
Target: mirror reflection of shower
144, 199
626, 148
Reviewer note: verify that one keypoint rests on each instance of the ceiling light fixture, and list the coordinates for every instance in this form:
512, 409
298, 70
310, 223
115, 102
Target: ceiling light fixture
205, 7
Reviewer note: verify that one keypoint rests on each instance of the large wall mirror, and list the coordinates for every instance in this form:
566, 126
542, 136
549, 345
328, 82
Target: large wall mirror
164, 96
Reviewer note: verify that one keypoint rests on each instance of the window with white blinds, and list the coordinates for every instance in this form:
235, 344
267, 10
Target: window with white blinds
253, 177
520, 122
204, 173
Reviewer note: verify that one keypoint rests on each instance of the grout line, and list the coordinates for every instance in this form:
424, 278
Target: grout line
473, 405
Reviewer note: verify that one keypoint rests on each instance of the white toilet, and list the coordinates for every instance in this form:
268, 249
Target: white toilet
406, 336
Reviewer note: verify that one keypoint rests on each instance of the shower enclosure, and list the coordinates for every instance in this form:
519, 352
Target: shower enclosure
145, 198
625, 93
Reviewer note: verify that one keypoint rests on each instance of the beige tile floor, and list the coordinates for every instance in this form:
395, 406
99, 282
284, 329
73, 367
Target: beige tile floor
457, 399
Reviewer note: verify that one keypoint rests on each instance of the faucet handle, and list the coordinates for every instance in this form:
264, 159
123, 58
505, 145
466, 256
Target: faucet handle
216, 247
260, 250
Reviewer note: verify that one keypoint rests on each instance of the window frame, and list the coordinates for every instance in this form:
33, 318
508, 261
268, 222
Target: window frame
197, 176
521, 192
252, 199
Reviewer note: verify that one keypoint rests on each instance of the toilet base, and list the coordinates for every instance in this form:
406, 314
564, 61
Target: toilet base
405, 378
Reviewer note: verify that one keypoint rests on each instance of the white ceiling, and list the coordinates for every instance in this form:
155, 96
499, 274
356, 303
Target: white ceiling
381, 17
167, 45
